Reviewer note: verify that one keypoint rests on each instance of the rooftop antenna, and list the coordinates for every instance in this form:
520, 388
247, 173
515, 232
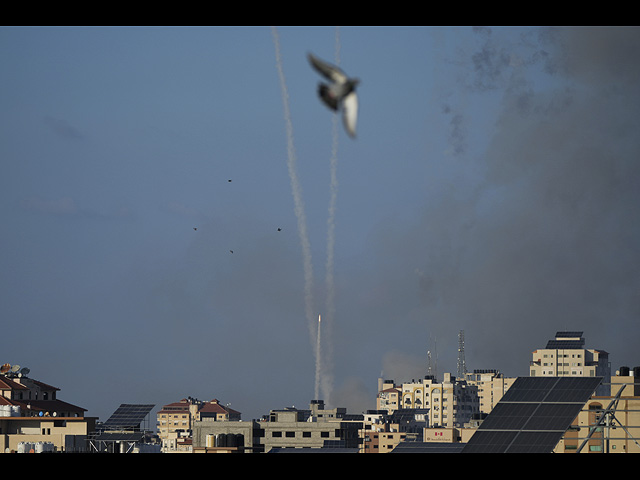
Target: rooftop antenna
462, 365
432, 364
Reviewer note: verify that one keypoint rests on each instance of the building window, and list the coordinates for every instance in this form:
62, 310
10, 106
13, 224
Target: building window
276, 434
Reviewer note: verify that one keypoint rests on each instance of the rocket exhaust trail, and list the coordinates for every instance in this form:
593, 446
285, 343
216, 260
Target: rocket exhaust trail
329, 281
296, 191
323, 380
318, 363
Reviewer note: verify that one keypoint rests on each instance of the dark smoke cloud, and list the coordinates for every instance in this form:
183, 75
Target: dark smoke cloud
549, 238
556, 234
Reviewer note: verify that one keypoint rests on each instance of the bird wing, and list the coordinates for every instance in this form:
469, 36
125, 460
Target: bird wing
350, 113
331, 72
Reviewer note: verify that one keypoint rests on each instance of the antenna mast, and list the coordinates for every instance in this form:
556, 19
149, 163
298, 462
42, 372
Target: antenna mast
462, 365
432, 366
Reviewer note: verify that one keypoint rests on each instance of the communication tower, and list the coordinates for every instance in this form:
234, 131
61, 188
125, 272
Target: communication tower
462, 365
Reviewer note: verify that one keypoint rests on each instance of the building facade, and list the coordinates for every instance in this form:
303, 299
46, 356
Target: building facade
175, 424
175, 421
383, 431
450, 403
33, 419
286, 428
609, 423
492, 385
565, 356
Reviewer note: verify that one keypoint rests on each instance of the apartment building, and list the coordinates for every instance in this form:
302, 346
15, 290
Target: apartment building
609, 423
389, 396
450, 403
491, 385
174, 425
32, 418
288, 428
383, 431
175, 421
565, 355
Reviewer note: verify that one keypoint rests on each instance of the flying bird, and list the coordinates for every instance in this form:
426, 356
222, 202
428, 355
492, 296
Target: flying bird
340, 94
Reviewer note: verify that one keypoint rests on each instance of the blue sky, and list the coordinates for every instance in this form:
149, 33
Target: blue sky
492, 188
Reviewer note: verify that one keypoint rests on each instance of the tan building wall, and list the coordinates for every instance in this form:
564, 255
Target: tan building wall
492, 385
389, 440
448, 435
619, 433
175, 421
388, 399
565, 356
286, 428
450, 403
16, 430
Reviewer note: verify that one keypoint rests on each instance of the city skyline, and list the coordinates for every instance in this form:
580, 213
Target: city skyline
178, 210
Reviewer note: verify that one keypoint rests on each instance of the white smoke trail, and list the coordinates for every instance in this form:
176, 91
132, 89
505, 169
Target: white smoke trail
297, 192
318, 363
327, 378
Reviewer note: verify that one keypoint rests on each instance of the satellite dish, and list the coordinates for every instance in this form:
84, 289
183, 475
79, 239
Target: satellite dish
24, 370
5, 368
15, 368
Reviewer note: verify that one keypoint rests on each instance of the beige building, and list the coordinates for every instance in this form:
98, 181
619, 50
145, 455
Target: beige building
389, 396
565, 356
288, 428
610, 423
382, 431
491, 385
33, 419
175, 421
450, 403
174, 425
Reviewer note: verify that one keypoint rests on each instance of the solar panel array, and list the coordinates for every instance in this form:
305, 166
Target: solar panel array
532, 415
565, 344
566, 341
428, 447
129, 415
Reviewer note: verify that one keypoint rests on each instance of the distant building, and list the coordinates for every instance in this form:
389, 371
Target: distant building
175, 423
383, 431
32, 418
214, 410
608, 423
566, 356
492, 385
450, 403
288, 428
389, 396
176, 420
